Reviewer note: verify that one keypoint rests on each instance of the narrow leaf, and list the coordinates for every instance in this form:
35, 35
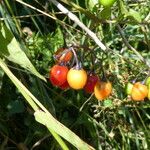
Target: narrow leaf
47, 120
11, 50
92, 3
44, 117
122, 8
134, 16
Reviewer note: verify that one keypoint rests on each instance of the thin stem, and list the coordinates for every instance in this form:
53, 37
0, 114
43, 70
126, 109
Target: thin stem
13, 16
39, 141
78, 66
46, 14
130, 47
81, 108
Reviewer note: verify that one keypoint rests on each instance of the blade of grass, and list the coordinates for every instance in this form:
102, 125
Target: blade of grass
15, 20
58, 139
44, 117
18, 84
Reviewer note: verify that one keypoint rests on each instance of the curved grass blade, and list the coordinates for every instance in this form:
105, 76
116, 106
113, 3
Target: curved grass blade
43, 116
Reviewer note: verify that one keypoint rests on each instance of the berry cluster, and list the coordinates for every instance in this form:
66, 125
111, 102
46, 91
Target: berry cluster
76, 77
139, 91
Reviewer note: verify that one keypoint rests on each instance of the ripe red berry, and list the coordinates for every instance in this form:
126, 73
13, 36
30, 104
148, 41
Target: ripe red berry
91, 81
64, 86
58, 75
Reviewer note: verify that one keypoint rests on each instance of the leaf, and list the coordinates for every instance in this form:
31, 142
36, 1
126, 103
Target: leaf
134, 15
46, 119
11, 50
58, 40
105, 13
51, 123
108, 103
92, 3
122, 8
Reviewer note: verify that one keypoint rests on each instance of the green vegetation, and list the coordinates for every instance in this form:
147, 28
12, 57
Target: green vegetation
114, 44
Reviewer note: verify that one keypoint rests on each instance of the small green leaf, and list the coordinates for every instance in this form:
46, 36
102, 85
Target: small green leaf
122, 8
147, 82
11, 50
105, 13
92, 3
128, 88
108, 103
134, 15
121, 111
58, 39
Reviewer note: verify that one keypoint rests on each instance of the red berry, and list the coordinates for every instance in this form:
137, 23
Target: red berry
64, 86
91, 81
58, 75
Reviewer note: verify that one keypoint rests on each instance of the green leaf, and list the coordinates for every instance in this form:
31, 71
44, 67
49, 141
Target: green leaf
92, 3
130, 14
58, 39
134, 15
105, 13
147, 82
108, 103
11, 50
122, 8
47, 120
44, 117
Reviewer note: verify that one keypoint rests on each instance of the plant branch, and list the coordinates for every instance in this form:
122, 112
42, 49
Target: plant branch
79, 23
81, 108
43, 13
72, 17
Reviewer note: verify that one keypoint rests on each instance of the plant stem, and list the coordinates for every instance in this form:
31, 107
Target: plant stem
79, 23
78, 64
130, 47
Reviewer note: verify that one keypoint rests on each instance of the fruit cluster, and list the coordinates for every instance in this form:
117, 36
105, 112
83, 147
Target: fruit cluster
139, 91
65, 77
76, 77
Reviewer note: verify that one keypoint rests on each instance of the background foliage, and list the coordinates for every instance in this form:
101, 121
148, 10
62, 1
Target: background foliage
29, 39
